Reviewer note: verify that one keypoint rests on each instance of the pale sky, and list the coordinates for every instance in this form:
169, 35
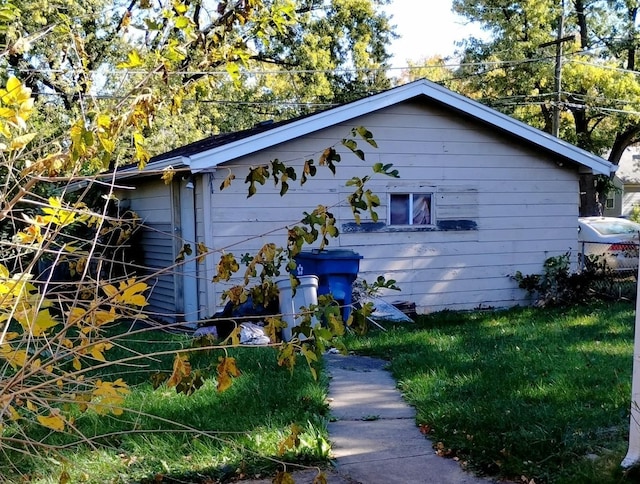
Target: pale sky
427, 28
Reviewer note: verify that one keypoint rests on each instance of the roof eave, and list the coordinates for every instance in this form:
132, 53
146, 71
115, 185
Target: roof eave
202, 161
152, 168
210, 158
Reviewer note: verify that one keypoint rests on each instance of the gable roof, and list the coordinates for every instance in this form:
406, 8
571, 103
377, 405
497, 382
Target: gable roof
210, 152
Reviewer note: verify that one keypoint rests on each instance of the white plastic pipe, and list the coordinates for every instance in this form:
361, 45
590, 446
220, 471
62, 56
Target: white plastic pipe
632, 458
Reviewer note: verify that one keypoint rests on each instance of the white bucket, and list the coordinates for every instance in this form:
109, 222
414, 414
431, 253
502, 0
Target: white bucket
306, 295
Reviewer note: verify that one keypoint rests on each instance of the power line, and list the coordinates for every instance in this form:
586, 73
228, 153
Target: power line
293, 104
269, 72
272, 72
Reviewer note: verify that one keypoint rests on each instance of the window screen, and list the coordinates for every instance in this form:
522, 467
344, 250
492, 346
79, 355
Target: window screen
410, 209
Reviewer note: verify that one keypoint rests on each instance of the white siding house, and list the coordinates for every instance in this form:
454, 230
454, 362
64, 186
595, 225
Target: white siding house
627, 181
489, 196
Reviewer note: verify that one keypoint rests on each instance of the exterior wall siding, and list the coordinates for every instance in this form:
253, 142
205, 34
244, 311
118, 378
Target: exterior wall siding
153, 202
630, 199
500, 207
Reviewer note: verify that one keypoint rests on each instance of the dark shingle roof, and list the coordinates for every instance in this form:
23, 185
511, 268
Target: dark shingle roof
221, 139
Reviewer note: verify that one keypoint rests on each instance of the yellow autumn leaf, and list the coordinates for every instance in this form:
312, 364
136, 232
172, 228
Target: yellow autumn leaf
64, 478
31, 406
292, 441
20, 142
30, 235
53, 421
15, 357
320, 479
83, 399
226, 370
14, 92
181, 369
128, 292
104, 317
179, 7
36, 324
202, 251
11, 335
137, 300
167, 175
17, 103
13, 413
76, 315
56, 214
131, 293
103, 121
76, 364
134, 61
142, 154
110, 290
7, 114
107, 144
98, 349
110, 396
283, 477
234, 336
69, 247
44, 321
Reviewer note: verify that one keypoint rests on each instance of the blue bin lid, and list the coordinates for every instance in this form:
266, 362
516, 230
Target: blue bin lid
329, 254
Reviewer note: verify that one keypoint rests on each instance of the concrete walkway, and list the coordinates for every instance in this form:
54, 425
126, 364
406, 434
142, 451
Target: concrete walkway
375, 438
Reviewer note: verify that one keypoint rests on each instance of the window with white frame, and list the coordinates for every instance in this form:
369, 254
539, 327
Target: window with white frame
411, 209
610, 202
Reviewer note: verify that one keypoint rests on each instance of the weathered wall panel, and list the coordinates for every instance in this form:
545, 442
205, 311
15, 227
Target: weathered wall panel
499, 206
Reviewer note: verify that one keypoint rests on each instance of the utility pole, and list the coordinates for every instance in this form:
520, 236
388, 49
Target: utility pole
555, 125
555, 120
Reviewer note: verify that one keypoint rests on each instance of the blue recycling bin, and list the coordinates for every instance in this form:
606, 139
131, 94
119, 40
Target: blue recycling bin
336, 271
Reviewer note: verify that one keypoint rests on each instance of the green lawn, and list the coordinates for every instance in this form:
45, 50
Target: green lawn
169, 437
539, 393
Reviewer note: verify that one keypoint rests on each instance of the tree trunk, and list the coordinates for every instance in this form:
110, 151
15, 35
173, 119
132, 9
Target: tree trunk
582, 23
631, 49
622, 141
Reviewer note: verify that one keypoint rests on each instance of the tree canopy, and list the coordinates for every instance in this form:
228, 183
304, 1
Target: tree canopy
598, 96
225, 65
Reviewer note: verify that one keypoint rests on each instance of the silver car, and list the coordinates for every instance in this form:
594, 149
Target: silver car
611, 241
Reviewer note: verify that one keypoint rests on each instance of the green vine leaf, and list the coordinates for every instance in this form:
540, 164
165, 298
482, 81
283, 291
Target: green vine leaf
386, 170
353, 146
365, 134
256, 175
309, 169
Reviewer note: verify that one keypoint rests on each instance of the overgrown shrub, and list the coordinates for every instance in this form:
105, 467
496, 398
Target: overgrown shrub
558, 285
